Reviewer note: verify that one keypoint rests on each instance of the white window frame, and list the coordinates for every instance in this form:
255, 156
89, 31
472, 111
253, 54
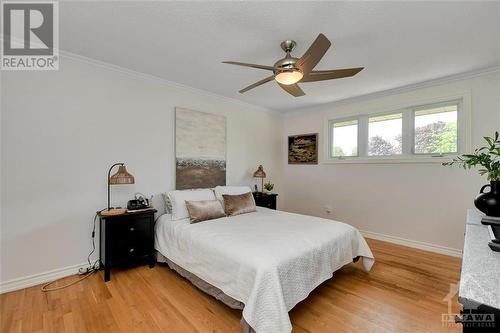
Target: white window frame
367, 138
330, 137
408, 133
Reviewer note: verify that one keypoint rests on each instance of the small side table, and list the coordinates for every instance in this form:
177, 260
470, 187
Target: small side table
267, 200
126, 238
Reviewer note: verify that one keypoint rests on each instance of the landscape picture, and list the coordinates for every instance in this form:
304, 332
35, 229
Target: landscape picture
303, 149
200, 149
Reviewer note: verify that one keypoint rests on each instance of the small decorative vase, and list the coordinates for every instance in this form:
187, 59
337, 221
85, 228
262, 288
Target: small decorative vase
489, 202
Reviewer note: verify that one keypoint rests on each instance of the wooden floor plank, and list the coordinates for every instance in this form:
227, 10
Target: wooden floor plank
404, 292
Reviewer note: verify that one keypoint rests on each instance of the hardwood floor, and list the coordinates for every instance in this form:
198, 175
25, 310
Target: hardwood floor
403, 293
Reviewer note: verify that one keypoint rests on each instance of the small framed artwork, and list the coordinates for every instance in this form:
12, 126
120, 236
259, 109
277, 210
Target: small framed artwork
303, 149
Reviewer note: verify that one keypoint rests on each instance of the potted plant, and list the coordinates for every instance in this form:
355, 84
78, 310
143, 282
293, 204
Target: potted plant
269, 186
488, 160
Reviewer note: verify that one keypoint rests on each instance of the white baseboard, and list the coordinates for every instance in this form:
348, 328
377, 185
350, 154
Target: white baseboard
413, 243
33, 280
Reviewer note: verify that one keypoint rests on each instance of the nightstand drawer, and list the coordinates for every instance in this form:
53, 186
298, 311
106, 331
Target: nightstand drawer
264, 203
127, 250
135, 229
269, 205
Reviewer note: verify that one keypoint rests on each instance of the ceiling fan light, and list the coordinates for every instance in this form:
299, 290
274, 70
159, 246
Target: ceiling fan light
289, 77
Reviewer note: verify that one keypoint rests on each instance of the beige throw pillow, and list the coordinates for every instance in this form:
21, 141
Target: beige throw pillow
203, 210
239, 204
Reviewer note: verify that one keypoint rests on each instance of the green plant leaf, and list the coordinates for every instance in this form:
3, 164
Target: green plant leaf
485, 157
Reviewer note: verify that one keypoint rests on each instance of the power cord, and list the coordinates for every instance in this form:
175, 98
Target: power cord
84, 272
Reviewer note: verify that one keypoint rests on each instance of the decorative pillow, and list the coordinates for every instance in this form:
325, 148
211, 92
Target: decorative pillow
239, 204
231, 190
168, 204
203, 210
178, 200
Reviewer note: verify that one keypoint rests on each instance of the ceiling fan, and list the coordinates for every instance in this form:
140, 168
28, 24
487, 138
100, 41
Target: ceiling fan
290, 70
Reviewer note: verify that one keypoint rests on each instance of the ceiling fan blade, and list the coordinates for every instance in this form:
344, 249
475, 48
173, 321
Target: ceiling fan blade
292, 89
270, 68
256, 84
332, 74
313, 54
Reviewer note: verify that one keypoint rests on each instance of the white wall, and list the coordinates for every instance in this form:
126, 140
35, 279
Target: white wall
61, 130
419, 202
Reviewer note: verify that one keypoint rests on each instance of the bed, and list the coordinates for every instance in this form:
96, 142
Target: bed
267, 261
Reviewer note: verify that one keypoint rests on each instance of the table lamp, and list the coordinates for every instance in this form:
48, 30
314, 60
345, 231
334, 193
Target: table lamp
121, 177
260, 174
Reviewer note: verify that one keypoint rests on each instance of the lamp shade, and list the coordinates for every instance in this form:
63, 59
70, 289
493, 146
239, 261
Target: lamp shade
122, 176
260, 172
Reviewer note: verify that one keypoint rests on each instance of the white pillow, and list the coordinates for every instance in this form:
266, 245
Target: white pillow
231, 190
168, 204
178, 200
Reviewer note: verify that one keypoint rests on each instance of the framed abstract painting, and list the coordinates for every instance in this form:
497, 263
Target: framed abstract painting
200, 149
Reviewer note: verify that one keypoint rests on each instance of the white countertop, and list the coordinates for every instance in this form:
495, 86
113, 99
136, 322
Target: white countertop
480, 277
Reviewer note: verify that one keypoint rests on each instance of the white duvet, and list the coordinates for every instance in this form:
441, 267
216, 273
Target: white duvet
268, 260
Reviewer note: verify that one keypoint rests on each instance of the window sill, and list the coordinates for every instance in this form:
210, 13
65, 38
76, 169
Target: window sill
391, 160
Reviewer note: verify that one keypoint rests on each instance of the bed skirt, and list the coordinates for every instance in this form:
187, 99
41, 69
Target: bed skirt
207, 288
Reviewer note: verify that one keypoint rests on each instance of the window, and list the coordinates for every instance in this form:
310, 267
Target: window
436, 130
385, 135
423, 131
345, 138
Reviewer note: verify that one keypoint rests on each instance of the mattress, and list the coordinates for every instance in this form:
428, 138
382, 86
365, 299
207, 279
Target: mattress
267, 260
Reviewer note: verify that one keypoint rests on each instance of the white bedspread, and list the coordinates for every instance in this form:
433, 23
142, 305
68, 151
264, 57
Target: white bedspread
268, 260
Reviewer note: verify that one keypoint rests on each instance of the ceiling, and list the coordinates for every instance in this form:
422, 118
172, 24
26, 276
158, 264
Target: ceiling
185, 42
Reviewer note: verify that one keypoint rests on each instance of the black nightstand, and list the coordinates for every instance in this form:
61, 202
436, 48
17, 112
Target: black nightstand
267, 200
125, 239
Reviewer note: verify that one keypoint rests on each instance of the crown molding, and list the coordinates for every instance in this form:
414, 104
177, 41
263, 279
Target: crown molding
344, 101
154, 78
157, 79
402, 89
